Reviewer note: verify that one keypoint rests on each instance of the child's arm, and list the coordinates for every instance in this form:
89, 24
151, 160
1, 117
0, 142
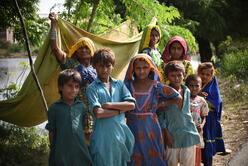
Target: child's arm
122, 106
105, 113
171, 97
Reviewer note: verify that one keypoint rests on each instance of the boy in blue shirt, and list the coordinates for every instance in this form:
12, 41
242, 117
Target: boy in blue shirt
179, 131
111, 143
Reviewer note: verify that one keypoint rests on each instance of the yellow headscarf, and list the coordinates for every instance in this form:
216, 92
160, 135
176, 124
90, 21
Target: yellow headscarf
83, 41
145, 41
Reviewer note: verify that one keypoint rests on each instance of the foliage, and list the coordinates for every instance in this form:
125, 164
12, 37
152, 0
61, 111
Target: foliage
235, 89
36, 26
111, 13
235, 60
22, 146
169, 31
11, 89
142, 11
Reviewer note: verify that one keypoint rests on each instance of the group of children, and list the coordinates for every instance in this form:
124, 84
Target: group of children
141, 121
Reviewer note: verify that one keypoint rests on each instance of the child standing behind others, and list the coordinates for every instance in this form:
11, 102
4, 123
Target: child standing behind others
199, 110
67, 140
149, 43
142, 79
111, 143
212, 131
177, 123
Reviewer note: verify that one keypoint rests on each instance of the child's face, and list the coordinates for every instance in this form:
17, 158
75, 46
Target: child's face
141, 70
154, 38
70, 90
103, 70
194, 87
176, 51
175, 78
205, 75
84, 55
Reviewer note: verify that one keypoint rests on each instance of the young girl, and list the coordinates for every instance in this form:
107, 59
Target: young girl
111, 143
68, 144
149, 43
142, 80
176, 49
212, 131
199, 110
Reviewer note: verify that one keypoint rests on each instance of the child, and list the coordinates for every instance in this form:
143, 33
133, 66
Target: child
68, 144
212, 131
176, 49
149, 43
176, 122
111, 143
142, 80
199, 110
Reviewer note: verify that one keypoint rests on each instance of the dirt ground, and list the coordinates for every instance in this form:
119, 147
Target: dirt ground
235, 129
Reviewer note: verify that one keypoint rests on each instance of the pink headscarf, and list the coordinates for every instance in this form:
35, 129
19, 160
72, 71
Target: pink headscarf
166, 54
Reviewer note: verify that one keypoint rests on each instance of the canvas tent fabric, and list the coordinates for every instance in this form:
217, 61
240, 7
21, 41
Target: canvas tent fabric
27, 109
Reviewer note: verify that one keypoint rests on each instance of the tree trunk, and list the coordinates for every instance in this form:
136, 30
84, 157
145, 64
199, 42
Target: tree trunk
204, 49
93, 13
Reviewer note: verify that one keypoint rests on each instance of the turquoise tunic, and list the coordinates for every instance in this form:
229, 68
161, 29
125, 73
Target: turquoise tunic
68, 147
180, 123
112, 142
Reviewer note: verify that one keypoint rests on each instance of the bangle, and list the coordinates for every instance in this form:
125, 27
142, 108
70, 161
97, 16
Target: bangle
53, 35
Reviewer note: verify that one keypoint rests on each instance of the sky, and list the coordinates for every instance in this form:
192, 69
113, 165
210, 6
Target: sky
45, 6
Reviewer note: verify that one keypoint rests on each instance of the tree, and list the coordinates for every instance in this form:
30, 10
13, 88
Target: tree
36, 26
213, 21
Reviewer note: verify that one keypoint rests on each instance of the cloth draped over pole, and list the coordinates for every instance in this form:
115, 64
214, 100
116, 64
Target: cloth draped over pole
27, 109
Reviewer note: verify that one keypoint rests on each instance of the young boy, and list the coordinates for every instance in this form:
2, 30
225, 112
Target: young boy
111, 143
68, 144
180, 133
199, 110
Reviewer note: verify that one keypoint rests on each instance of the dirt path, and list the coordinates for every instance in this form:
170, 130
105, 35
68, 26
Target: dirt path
235, 131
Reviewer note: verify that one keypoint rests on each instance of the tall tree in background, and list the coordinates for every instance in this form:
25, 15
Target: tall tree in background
36, 26
215, 20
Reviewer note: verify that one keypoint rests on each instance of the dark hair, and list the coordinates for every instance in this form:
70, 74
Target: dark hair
66, 75
192, 77
173, 66
104, 56
205, 65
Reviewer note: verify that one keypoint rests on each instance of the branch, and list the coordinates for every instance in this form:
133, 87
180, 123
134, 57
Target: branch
30, 58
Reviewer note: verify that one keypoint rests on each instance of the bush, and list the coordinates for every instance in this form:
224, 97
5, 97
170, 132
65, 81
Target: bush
235, 63
22, 146
4, 44
13, 48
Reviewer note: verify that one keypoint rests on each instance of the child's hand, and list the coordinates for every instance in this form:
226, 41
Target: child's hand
169, 140
203, 94
107, 105
199, 128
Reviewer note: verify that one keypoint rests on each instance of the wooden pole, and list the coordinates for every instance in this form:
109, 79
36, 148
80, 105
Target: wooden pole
30, 58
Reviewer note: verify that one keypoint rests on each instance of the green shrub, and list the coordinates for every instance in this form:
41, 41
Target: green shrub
22, 146
4, 44
13, 48
235, 63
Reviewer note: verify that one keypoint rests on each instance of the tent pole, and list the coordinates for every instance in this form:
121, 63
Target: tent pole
30, 58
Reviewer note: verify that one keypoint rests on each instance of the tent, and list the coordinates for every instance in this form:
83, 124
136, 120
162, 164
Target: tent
27, 109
